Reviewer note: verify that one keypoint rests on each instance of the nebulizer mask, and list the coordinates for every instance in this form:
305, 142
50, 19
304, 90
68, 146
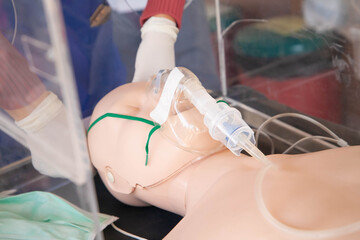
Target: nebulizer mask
181, 123
186, 109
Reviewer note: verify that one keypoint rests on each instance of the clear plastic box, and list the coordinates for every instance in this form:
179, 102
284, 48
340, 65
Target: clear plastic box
36, 29
286, 56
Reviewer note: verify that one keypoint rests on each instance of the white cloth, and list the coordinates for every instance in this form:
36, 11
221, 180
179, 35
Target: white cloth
156, 50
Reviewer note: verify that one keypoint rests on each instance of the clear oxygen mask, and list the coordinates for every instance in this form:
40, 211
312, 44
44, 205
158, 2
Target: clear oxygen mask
194, 120
184, 125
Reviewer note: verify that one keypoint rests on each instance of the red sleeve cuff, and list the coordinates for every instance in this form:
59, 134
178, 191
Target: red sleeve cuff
173, 8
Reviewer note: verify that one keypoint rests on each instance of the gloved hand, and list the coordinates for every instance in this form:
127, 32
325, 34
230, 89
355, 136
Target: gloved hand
40, 114
156, 50
48, 138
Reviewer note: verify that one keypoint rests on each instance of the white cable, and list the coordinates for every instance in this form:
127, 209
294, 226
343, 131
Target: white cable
127, 233
131, 8
339, 142
188, 2
15, 27
297, 115
270, 140
302, 234
226, 30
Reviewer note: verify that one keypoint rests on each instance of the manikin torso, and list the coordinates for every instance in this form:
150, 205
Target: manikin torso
216, 193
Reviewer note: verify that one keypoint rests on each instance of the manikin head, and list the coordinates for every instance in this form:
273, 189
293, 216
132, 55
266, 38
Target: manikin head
117, 143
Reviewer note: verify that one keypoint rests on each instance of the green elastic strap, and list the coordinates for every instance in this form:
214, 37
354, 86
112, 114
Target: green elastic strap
218, 101
147, 142
139, 119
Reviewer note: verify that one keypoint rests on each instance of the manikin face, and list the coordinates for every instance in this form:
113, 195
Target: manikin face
117, 146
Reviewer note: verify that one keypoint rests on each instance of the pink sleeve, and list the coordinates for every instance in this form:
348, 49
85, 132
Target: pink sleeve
173, 8
18, 85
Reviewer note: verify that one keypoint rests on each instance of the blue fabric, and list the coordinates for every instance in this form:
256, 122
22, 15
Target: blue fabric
96, 61
11, 150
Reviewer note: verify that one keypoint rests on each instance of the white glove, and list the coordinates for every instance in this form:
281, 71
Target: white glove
156, 50
49, 141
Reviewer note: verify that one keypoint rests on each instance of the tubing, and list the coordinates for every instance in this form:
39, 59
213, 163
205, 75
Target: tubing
341, 142
225, 123
336, 141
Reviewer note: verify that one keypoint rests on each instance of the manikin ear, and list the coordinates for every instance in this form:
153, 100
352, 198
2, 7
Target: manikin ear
116, 182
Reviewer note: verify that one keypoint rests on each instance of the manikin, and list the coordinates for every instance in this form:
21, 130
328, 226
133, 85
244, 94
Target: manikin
216, 191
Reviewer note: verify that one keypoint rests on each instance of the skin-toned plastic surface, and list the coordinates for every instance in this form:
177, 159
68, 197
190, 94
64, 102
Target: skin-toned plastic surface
113, 141
314, 191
